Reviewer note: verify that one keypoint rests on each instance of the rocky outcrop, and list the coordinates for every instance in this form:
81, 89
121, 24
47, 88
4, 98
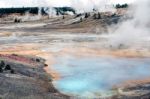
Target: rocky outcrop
23, 77
136, 91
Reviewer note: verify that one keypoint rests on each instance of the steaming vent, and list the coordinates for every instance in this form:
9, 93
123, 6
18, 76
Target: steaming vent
37, 13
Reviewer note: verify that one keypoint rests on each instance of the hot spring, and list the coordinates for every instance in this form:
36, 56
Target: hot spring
96, 76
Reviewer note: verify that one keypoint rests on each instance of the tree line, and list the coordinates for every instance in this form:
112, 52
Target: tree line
35, 10
121, 6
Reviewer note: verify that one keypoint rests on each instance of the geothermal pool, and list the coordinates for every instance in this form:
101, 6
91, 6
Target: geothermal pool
96, 76
79, 76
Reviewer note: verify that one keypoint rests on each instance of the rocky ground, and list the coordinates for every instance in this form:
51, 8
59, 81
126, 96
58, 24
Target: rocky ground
23, 77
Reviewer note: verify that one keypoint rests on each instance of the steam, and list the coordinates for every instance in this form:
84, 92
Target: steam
88, 5
136, 30
29, 17
80, 6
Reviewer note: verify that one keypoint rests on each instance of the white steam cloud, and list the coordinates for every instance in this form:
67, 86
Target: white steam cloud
136, 30
25, 3
89, 5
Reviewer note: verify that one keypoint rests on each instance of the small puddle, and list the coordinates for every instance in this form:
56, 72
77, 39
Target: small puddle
94, 76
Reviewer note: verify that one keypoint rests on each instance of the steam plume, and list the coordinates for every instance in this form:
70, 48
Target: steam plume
136, 30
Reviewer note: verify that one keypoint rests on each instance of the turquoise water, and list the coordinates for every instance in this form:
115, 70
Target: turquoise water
90, 75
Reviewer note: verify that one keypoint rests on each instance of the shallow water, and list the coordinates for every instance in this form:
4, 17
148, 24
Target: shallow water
91, 76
